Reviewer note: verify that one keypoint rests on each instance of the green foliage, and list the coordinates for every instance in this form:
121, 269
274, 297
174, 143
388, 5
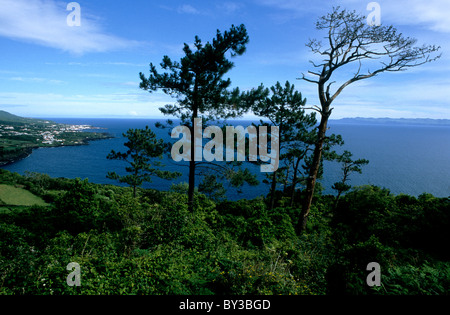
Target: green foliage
372, 225
142, 148
197, 79
266, 272
211, 188
247, 220
152, 244
427, 279
348, 166
78, 208
284, 107
363, 212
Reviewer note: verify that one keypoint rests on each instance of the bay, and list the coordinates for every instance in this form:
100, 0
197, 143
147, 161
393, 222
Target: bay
409, 159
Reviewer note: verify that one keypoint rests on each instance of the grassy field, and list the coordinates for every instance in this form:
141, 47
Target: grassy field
13, 196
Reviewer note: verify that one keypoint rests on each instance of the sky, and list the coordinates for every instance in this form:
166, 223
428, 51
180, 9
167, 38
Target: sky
50, 68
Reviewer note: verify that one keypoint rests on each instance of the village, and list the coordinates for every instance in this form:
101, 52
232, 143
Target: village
45, 133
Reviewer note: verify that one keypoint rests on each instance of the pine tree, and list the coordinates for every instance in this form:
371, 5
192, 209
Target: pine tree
284, 108
143, 147
197, 84
348, 166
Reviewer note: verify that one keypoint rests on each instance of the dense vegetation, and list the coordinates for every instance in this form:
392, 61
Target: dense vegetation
152, 244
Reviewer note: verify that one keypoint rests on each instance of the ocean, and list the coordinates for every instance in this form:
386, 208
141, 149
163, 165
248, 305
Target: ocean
409, 159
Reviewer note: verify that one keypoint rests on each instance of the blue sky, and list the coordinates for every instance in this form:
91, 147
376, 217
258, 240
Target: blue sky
49, 69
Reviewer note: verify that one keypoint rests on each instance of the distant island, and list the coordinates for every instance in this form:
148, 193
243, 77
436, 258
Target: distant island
397, 121
19, 136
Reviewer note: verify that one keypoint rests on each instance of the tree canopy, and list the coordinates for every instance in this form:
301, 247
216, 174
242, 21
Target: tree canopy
197, 84
143, 149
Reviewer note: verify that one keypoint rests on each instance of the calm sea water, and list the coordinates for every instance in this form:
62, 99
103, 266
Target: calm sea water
410, 159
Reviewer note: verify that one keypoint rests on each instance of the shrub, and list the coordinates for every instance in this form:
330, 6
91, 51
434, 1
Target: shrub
427, 279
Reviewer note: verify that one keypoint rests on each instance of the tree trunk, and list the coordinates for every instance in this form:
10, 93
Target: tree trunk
336, 201
311, 182
272, 190
136, 174
191, 186
192, 165
340, 191
294, 182
192, 162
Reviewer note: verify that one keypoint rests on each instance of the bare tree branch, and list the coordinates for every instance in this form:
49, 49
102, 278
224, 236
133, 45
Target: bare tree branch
351, 40
308, 80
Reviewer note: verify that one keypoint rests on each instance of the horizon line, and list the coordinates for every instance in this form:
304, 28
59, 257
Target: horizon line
235, 118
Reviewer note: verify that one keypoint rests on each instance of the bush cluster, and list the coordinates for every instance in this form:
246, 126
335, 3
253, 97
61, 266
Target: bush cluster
152, 244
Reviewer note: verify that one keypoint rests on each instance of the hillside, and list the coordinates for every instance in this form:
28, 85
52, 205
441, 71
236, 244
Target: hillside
152, 245
6, 118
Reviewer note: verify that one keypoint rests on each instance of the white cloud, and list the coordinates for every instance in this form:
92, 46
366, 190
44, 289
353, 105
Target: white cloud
45, 22
431, 14
408, 99
229, 7
187, 8
301, 6
36, 80
29, 104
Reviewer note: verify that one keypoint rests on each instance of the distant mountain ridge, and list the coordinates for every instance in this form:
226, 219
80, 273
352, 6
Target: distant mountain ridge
10, 118
399, 121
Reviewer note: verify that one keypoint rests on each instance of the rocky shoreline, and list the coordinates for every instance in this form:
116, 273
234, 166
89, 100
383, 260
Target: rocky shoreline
22, 154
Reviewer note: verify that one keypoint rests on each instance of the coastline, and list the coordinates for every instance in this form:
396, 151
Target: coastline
26, 152
23, 153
